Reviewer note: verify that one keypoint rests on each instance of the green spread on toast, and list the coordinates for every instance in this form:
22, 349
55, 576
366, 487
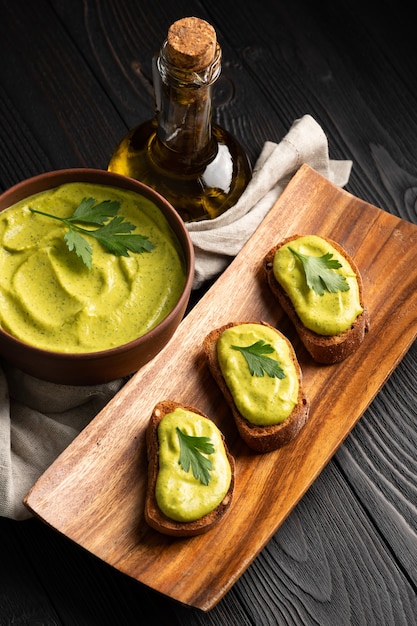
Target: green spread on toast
262, 400
327, 312
181, 495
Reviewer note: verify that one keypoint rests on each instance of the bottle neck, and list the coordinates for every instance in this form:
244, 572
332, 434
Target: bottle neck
184, 111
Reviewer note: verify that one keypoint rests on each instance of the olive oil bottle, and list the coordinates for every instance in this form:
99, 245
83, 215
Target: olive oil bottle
199, 167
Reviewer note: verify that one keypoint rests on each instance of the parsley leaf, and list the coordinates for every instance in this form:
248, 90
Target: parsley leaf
115, 237
88, 212
319, 273
113, 232
191, 449
80, 246
258, 363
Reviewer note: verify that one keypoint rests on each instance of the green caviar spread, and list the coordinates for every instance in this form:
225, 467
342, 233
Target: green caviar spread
262, 400
328, 314
179, 495
51, 300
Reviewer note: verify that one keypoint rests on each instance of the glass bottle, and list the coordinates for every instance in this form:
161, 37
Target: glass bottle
199, 167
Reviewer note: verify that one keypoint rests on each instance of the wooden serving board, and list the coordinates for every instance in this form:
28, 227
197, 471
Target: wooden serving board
94, 492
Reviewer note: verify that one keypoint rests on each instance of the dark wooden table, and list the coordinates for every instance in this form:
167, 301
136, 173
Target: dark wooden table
74, 76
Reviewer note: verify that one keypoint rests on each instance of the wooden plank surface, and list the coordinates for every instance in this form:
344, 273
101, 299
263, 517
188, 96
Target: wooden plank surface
74, 76
105, 516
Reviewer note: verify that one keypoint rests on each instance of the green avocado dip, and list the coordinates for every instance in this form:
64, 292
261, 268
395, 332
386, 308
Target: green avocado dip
327, 314
180, 495
262, 400
51, 300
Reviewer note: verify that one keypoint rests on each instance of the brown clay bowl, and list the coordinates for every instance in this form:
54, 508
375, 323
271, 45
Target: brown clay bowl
97, 367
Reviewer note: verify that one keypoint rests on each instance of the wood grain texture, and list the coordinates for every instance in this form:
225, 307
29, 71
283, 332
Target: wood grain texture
310, 568
347, 554
108, 458
47, 119
120, 45
384, 478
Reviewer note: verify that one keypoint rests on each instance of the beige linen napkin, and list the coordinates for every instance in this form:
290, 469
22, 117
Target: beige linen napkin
38, 420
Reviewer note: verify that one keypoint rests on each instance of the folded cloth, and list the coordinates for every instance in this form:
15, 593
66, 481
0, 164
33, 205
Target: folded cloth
217, 241
38, 420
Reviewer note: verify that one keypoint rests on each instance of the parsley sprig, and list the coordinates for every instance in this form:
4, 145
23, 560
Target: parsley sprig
191, 455
258, 363
319, 273
113, 232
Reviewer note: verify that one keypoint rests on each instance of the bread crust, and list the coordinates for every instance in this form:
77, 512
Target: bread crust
323, 349
261, 439
153, 515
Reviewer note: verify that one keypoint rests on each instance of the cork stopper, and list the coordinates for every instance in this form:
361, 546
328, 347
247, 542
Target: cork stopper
191, 44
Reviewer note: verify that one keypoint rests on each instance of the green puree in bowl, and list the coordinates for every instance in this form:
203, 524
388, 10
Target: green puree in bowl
51, 300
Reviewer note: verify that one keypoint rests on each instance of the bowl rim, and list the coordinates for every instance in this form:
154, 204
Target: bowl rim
58, 177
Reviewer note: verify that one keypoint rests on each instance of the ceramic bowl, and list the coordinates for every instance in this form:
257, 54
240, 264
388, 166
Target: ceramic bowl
102, 366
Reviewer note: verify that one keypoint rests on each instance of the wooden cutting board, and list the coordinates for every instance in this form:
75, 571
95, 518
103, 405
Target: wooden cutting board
94, 492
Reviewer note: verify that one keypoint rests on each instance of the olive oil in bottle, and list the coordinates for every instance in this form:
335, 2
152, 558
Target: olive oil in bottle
199, 167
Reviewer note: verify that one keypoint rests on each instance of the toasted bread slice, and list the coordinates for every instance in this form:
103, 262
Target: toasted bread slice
261, 439
153, 514
323, 349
